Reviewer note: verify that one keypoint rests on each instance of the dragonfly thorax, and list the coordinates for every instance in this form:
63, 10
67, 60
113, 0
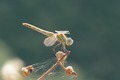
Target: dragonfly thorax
61, 38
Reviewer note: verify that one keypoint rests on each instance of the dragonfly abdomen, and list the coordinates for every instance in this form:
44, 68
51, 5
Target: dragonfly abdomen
45, 32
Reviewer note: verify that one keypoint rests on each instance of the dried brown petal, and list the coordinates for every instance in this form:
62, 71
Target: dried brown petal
26, 71
70, 71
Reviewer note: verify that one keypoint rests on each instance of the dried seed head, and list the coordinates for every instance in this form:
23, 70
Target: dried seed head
26, 71
70, 71
59, 55
10, 69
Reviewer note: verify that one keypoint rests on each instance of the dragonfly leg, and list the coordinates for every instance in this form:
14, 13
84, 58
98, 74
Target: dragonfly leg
64, 48
55, 47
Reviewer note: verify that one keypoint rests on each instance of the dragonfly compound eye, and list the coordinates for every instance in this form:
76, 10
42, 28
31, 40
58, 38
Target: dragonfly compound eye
69, 41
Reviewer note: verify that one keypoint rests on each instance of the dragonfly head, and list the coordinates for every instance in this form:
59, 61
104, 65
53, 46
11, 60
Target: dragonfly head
69, 41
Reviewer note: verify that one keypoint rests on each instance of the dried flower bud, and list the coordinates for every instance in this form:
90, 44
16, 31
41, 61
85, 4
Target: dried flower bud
70, 71
59, 55
26, 71
10, 70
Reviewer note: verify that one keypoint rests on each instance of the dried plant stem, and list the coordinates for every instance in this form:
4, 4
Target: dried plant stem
62, 66
51, 68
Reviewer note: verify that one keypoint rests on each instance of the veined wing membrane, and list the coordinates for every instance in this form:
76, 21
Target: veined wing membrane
45, 32
50, 41
63, 32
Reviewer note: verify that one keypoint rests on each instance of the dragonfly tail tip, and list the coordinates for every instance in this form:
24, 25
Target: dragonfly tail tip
24, 23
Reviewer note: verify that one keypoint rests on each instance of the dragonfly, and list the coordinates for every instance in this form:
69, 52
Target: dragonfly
52, 38
60, 57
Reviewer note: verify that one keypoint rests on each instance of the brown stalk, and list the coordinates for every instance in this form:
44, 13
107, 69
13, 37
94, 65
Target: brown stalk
51, 68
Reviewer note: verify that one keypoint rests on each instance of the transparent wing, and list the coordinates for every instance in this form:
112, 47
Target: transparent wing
50, 41
63, 32
45, 32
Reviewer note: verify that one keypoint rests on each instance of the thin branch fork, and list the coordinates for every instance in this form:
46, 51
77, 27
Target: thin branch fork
51, 68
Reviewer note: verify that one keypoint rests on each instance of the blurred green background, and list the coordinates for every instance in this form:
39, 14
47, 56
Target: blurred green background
94, 26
